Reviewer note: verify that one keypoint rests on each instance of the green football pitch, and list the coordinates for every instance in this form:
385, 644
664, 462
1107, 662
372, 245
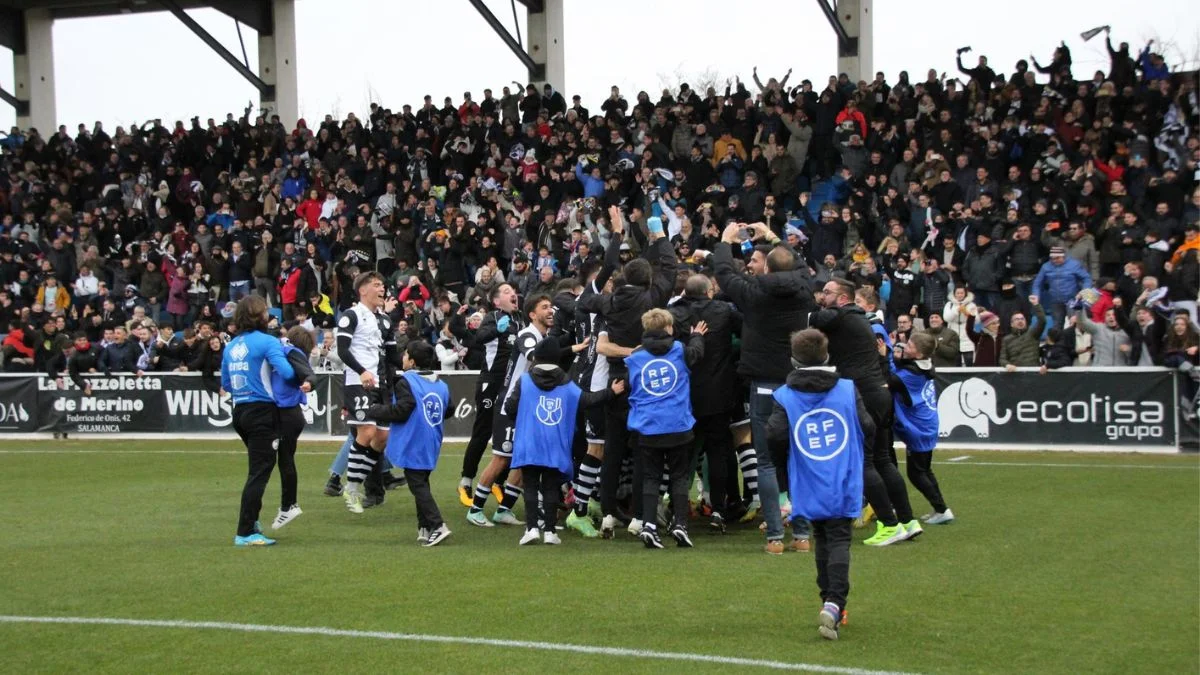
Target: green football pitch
1058, 563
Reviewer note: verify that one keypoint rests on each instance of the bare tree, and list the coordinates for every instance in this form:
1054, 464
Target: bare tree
698, 81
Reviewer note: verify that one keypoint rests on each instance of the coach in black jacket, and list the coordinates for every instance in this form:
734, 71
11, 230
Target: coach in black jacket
854, 351
774, 299
713, 379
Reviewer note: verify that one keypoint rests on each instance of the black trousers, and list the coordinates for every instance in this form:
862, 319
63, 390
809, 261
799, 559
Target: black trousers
291, 425
618, 446
543, 488
886, 492
713, 431
428, 515
258, 426
832, 540
486, 393
920, 474
677, 459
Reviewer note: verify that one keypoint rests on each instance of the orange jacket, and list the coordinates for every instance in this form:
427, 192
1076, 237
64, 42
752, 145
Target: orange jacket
62, 299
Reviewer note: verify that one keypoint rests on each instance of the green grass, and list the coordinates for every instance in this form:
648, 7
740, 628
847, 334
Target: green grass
1083, 568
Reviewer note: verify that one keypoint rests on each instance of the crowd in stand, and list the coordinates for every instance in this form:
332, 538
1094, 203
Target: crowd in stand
1041, 218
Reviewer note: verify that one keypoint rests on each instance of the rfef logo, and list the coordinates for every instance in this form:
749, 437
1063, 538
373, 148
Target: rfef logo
821, 434
659, 377
431, 404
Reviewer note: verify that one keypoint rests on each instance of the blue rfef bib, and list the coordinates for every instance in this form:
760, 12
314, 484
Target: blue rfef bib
416, 443
287, 395
660, 399
825, 467
545, 426
917, 425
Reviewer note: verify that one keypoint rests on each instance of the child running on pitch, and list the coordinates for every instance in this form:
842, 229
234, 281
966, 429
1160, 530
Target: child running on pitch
544, 403
820, 422
911, 382
415, 441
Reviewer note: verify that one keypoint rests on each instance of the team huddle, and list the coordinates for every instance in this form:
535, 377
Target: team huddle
623, 386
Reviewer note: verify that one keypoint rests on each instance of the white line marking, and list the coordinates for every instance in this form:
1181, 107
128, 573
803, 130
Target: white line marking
120, 451
959, 459
117, 451
1082, 466
449, 639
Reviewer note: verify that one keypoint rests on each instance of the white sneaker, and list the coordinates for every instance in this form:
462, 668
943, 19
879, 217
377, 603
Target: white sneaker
506, 517
531, 536
353, 498
551, 538
422, 535
286, 517
437, 536
942, 518
607, 527
635, 527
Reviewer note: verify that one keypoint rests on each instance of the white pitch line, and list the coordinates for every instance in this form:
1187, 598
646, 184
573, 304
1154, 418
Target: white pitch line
955, 461
959, 458
1050, 465
449, 639
118, 451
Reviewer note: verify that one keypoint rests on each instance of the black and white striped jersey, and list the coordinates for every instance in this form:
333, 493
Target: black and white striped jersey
361, 341
588, 370
518, 362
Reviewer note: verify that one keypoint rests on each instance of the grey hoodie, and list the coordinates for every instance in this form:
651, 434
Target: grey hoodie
1106, 342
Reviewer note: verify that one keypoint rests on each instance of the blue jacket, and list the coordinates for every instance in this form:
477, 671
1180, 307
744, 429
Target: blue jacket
1061, 283
660, 400
916, 405
545, 425
287, 391
825, 451
592, 187
294, 188
417, 421
247, 364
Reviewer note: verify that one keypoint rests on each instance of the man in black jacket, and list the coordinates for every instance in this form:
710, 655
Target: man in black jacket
854, 351
775, 300
642, 288
85, 359
712, 380
121, 356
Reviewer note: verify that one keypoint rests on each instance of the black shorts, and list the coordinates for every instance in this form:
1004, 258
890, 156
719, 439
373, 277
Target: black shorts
740, 415
593, 425
358, 401
503, 427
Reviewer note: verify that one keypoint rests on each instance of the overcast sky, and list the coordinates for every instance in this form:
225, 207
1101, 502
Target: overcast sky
351, 52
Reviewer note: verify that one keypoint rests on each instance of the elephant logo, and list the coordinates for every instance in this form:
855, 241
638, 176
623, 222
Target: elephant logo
970, 403
549, 410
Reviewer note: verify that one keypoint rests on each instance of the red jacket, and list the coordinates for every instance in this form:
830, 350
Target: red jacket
310, 211
419, 297
16, 340
289, 283
1102, 305
856, 116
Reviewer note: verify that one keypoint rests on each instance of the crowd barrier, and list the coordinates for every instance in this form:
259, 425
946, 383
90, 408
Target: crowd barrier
1107, 409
